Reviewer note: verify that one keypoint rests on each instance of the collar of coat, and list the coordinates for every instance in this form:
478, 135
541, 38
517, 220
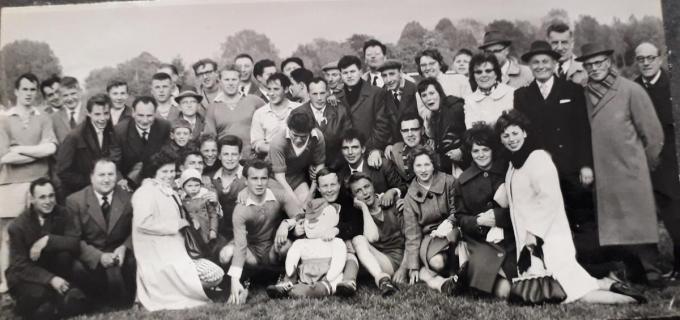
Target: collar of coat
497, 167
419, 194
501, 90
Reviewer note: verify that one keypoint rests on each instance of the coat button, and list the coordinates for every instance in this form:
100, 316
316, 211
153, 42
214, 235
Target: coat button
489, 204
500, 255
486, 174
558, 129
560, 146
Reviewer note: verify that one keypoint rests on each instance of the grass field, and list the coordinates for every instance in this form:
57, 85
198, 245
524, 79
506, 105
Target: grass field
412, 302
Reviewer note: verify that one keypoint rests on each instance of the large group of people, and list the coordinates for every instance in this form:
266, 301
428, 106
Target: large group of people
261, 171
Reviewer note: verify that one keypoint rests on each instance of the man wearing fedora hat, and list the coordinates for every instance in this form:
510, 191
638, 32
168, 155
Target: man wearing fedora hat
557, 111
627, 139
188, 100
514, 74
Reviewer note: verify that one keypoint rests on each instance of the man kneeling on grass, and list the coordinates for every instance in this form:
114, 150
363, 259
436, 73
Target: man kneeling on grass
257, 241
381, 248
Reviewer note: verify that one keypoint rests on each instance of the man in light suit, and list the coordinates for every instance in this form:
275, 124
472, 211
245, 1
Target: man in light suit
103, 215
72, 113
561, 39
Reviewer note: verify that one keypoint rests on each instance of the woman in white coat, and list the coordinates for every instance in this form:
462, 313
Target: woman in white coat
167, 278
537, 211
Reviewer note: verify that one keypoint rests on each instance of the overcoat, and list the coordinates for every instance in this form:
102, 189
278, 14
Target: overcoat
626, 136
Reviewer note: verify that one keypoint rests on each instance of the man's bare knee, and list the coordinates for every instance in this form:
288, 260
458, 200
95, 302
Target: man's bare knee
437, 263
226, 254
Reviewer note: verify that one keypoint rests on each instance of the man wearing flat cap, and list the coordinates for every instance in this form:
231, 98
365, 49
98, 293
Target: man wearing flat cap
189, 101
514, 74
627, 139
557, 110
331, 73
403, 92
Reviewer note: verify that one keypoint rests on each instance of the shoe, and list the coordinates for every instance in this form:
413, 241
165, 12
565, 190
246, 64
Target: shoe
451, 286
387, 287
279, 290
346, 288
627, 290
672, 276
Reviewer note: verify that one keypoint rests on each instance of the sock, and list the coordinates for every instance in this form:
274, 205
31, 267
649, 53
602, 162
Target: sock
351, 268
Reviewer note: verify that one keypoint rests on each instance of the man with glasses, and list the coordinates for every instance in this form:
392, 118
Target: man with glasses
412, 135
206, 73
665, 178
514, 74
561, 39
627, 139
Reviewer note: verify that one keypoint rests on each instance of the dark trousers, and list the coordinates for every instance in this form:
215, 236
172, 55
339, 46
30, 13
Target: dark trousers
41, 301
668, 209
114, 285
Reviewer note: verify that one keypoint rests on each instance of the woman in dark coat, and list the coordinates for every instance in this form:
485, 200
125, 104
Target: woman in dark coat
483, 216
446, 123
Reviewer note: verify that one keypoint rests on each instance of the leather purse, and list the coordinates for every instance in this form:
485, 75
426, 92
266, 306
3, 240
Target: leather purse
193, 242
536, 288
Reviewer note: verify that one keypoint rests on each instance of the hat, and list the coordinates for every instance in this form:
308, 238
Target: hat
330, 66
590, 50
389, 64
189, 174
540, 47
188, 91
492, 37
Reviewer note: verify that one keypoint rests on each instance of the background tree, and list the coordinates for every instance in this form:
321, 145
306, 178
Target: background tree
554, 15
515, 33
136, 71
321, 51
23, 56
356, 43
258, 45
454, 38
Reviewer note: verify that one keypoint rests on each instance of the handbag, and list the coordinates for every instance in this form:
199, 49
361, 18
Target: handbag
534, 289
193, 242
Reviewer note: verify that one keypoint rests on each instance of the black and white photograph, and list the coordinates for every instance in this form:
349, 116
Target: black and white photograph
339, 159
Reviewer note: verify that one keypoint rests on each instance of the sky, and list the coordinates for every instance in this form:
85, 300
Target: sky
90, 36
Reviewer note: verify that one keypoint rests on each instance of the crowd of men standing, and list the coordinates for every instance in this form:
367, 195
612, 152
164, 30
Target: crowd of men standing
263, 139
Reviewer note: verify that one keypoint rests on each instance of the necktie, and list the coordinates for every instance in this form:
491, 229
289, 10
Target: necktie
106, 208
544, 90
145, 136
395, 93
72, 121
375, 81
243, 90
561, 71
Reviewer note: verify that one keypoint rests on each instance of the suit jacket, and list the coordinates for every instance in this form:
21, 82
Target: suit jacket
126, 114
407, 104
337, 121
258, 92
560, 123
25, 230
370, 114
61, 121
78, 152
448, 126
95, 234
576, 73
665, 175
384, 178
133, 148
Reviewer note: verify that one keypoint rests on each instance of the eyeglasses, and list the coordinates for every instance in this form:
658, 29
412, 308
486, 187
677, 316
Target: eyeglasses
431, 64
480, 71
204, 73
495, 51
594, 64
643, 59
407, 130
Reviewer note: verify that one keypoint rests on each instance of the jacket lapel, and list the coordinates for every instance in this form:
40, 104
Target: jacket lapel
117, 207
362, 96
94, 209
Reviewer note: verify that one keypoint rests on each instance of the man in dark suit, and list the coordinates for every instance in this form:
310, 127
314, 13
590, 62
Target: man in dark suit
558, 114
403, 93
368, 107
665, 176
140, 137
244, 63
43, 249
72, 113
331, 120
261, 71
118, 93
386, 180
103, 216
88, 142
